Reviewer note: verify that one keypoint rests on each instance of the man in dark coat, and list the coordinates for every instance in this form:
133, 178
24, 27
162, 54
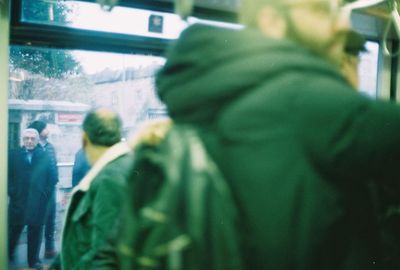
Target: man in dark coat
293, 139
50, 225
80, 168
30, 184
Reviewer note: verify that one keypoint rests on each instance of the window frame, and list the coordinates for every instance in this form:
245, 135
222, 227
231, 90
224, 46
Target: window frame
62, 37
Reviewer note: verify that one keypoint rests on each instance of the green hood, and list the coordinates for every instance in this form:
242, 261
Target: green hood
208, 67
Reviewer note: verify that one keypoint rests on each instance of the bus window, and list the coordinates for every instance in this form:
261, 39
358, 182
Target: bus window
121, 20
89, 16
368, 69
58, 87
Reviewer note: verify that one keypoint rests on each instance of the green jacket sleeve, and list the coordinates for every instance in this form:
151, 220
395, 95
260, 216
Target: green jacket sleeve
106, 257
107, 197
346, 134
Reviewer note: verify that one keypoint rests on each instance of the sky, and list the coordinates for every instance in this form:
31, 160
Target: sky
93, 62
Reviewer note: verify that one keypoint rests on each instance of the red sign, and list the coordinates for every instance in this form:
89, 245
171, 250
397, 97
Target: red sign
69, 118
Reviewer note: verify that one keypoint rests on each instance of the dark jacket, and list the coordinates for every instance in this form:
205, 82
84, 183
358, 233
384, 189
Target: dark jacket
51, 152
295, 142
29, 187
80, 168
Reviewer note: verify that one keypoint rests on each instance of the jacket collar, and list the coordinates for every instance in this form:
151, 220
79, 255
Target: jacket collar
111, 154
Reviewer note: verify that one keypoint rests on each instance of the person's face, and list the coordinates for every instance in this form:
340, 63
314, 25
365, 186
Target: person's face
30, 140
319, 25
44, 134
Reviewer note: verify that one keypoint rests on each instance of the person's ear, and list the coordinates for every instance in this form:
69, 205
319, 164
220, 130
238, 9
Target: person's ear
271, 22
85, 140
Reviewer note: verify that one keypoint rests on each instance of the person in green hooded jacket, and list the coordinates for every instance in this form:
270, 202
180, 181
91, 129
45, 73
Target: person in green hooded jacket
296, 144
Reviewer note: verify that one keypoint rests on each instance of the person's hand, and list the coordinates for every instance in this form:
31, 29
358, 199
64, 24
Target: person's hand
151, 132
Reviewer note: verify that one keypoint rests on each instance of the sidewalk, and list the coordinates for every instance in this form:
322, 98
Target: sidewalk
20, 262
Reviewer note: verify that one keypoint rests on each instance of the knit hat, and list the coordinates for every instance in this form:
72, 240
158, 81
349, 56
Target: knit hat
38, 125
355, 43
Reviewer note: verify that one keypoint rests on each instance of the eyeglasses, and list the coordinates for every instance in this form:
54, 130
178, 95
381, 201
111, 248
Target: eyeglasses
322, 6
337, 10
28, 138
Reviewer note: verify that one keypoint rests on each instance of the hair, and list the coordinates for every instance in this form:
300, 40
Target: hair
30, 130
249, 9
38, 125
103, 127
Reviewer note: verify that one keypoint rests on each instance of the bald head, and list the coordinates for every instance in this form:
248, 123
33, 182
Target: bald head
102, 127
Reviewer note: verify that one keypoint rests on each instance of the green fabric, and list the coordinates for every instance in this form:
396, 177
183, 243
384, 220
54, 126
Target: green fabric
93, 214
196, 77
295, 142
180, 212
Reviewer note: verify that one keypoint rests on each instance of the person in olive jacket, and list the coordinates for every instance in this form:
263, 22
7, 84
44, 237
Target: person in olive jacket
30, 185
297, 145
96, 201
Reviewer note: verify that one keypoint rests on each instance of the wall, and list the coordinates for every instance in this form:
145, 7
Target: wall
4, 33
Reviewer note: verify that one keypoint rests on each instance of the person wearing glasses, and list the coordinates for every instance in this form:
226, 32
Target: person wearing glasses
50, 226
296, 144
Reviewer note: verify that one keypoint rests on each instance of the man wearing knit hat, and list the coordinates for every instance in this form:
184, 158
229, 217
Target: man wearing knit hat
49, 232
